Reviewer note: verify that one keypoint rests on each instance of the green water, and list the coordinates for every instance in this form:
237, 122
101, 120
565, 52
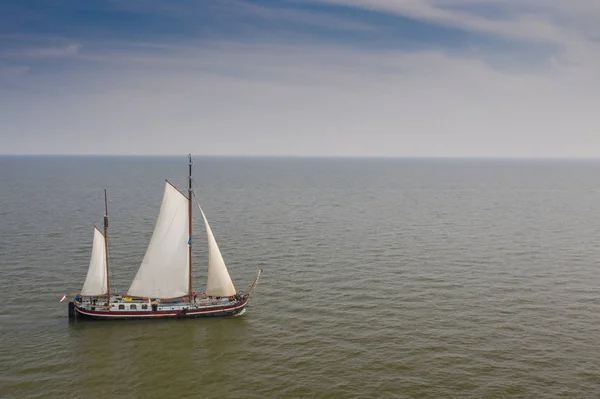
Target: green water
382, 278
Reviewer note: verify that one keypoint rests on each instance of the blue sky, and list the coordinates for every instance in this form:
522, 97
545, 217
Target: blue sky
301, 77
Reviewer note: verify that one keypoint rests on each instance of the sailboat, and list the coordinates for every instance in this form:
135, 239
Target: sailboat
162, 287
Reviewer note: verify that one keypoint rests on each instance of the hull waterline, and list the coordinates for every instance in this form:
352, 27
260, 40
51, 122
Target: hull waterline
77, 312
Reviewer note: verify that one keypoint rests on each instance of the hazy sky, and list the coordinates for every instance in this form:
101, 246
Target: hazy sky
301, 77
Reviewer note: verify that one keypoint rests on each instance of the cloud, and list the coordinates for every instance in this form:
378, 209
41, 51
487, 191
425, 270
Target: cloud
231, 10
574, 31
319, 100
233, 93
526, 19
68, 50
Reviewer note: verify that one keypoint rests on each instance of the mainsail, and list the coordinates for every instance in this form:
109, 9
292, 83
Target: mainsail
218, 281
164, 272
95, 281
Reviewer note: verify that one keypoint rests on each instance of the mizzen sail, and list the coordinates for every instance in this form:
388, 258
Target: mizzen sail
218, 281
164, 272
95, 281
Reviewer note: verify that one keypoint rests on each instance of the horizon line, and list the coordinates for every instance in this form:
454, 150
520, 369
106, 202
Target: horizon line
284, 156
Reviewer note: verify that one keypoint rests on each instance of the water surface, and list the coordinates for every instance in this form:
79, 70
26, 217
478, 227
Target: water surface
382, 278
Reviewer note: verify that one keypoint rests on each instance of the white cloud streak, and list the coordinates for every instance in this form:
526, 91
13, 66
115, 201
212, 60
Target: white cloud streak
573, 26
536, 20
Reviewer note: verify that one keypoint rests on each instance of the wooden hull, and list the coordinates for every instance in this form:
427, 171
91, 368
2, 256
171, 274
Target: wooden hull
208, 311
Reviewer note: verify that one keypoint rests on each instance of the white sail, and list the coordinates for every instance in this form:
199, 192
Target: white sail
164, 272
95, 281
218, 281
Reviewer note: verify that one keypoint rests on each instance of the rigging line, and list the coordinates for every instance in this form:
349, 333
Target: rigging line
197, 199
194, 181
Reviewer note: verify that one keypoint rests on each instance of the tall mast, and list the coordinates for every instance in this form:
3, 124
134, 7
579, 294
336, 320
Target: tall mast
106, 243
190, 226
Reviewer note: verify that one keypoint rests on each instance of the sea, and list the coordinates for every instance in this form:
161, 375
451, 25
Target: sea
383, 278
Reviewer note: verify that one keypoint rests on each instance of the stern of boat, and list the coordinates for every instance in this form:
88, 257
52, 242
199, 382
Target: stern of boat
72, 312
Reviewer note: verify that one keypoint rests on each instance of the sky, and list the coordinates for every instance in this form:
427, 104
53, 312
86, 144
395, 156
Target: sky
391, 78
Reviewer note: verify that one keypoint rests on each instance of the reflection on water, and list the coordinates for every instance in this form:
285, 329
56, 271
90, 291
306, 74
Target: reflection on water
150, 356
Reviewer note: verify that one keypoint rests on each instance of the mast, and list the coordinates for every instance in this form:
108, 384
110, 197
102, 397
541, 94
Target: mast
106, 243
190, 227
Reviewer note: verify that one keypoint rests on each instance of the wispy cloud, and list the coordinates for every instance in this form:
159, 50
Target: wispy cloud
573, 30
68, 50
554, 21
321, 77
241, 10
325, 100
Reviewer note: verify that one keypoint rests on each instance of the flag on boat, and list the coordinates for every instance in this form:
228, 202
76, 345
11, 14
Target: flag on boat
63, 297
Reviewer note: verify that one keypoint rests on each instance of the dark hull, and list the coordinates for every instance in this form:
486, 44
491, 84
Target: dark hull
213, 311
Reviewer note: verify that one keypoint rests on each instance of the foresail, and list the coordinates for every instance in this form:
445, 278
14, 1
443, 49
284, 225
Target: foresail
164, 272
95, 281
218, 281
